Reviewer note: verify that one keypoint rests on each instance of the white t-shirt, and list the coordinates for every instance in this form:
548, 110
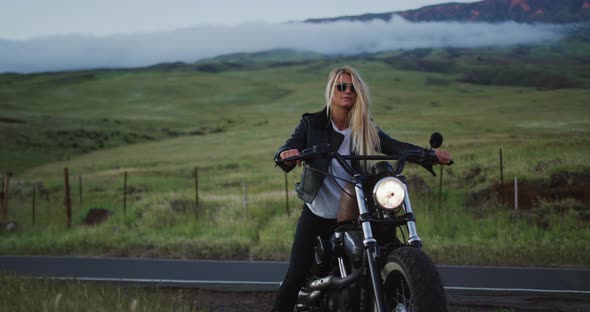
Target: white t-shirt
325, 204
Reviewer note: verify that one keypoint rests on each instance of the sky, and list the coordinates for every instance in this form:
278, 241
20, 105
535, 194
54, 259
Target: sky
70, 36
26, 19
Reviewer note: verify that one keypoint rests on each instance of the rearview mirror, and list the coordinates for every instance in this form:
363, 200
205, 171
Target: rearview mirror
436, 140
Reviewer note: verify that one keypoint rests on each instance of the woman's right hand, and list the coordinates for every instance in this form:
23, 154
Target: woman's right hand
290, 153
444, 157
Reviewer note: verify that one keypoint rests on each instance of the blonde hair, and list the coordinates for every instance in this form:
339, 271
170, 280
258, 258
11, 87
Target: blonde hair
364, 134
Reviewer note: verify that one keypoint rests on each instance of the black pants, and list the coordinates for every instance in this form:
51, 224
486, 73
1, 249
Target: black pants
309, 227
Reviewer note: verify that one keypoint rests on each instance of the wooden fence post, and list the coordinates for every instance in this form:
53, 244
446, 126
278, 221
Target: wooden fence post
67, 200
3, 195
287, 194
501, 169
196, 174
125, 195
80, 191
245, 198
2, 200
5, 189
48, 205
440, 185
34, 195
515, 193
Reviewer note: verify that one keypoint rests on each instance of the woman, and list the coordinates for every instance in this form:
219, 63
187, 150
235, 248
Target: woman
345, 124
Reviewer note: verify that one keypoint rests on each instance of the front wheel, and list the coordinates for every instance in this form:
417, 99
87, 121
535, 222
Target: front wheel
411, 282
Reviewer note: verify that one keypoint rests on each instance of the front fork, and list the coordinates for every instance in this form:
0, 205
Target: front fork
371, 244
413, 238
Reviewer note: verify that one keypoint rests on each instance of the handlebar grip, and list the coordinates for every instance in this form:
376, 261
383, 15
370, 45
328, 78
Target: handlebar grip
281, 163
292, 158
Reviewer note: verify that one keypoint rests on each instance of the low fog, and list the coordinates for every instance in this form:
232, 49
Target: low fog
78, 51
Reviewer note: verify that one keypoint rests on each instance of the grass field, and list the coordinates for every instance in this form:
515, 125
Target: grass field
28, 294
227, 116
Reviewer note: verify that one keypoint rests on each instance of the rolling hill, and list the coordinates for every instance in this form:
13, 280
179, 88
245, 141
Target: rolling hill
522, 11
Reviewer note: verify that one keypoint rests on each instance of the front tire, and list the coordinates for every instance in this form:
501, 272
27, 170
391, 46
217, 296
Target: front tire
411, 282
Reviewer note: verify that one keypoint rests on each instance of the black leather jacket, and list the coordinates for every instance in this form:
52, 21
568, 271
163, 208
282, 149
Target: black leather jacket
316, 129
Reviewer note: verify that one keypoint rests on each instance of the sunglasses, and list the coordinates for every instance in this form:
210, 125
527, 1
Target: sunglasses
343, 86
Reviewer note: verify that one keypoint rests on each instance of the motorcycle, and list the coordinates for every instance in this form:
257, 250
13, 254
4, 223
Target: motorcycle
363, 266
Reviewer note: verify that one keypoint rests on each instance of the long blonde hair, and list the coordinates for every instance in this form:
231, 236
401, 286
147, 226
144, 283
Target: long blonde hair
364, 134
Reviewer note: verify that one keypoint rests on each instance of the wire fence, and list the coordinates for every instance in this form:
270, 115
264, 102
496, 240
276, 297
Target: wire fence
76, 197
71, 199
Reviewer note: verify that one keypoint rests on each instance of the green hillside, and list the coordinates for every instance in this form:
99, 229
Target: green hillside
227, 116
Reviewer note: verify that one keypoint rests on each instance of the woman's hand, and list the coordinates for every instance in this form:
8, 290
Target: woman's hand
290, 153
444, 157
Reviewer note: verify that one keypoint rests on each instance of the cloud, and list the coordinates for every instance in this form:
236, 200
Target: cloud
70, 52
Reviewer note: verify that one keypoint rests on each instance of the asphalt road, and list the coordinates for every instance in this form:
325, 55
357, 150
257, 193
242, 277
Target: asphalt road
266, 276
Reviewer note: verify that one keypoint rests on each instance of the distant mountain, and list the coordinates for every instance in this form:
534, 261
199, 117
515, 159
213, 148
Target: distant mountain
523, 11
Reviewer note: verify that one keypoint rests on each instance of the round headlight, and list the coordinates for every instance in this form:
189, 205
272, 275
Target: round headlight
389, 193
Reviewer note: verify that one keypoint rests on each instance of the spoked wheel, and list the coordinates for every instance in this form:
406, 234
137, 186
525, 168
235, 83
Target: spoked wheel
411, 282
397, 294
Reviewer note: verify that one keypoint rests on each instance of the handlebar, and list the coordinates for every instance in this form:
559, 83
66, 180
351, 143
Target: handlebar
320, 151
425, 157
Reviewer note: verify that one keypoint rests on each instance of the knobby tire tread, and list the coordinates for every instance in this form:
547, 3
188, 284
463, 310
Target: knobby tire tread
423, 279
